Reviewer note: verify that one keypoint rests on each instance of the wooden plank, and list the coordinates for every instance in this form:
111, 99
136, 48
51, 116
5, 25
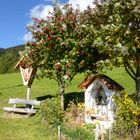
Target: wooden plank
23, 101
20, 110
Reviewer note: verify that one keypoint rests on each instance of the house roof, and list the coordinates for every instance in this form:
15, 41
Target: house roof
110, 83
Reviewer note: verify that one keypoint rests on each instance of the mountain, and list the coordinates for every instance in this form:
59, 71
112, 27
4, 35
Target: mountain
9, 58
1, 50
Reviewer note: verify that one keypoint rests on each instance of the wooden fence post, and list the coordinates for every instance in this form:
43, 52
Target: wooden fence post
97, 132
102, 132
109, 134
59, 132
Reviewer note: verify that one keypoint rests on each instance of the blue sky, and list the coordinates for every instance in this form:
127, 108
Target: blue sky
16, 14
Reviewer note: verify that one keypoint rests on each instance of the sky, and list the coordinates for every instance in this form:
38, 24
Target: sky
15, 15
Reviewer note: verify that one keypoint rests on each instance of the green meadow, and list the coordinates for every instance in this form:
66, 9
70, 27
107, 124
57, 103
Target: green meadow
21, 127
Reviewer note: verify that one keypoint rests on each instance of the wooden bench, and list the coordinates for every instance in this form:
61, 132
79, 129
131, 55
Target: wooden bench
28, 108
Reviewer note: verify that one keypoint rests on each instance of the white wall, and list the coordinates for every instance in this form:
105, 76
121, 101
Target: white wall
90, 103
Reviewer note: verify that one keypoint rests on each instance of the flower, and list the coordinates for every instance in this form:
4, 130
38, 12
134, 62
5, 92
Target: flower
52, 17
70, 17
46, 29
49, 39
62, 18
58, 65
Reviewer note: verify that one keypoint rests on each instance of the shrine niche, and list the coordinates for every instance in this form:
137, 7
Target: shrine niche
27, 73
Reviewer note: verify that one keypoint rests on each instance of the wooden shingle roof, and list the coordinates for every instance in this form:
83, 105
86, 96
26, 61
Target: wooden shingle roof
23, 62
110, 83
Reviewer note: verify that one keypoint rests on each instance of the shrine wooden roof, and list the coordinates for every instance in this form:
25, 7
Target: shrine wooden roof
110, 83
23, 62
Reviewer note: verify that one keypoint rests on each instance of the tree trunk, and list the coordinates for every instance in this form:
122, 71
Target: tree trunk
138, 89
61, 92
138, 79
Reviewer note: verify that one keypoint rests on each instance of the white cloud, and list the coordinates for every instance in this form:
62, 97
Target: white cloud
83, 4
40, 11
27, 37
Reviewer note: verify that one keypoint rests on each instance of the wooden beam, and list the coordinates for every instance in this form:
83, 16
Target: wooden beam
20, 110
23, 101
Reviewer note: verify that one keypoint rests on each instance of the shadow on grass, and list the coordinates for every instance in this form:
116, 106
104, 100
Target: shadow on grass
11, 87
75, 97
42, 98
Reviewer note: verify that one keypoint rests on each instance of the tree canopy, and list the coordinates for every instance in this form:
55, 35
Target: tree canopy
55, 45
69, 41
117, 27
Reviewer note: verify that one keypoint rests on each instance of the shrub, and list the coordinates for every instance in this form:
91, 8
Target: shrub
79, 133
73, 126
127, 115
51, 112
75, 114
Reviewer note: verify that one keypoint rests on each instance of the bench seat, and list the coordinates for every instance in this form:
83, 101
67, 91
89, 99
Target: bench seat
23, 101
28, 106
20, 110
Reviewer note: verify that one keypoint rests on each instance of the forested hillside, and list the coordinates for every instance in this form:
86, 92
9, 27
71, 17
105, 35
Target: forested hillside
8, 58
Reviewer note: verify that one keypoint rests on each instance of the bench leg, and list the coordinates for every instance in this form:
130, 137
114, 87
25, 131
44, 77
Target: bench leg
28, 106
28, 93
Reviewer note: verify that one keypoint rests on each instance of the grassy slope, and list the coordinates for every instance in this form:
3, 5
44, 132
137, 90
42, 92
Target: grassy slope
119, 75
9, 58
30, 128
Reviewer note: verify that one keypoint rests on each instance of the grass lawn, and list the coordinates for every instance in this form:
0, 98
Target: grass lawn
22, 127
120, 76
17, 128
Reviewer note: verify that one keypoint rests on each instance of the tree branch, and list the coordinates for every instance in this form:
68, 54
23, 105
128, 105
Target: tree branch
133, 75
